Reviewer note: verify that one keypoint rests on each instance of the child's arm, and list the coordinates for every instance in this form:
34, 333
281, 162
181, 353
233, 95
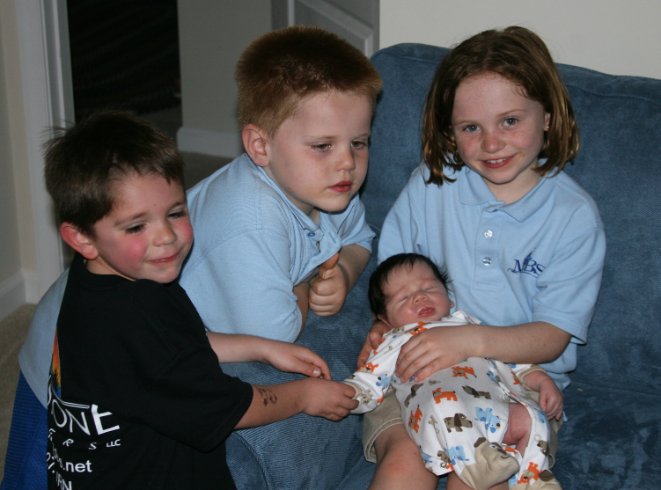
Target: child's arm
550, 397
281, 355
330, 287
318, 397
372, 341
439, 348
302, 293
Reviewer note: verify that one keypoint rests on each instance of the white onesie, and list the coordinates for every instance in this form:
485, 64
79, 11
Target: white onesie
458, 416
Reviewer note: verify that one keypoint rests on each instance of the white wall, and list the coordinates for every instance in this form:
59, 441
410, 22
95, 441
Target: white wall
212, 35
29, 242
613, 36
11, 282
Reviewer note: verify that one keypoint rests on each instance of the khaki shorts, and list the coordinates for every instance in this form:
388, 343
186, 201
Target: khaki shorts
377, 421
389, 414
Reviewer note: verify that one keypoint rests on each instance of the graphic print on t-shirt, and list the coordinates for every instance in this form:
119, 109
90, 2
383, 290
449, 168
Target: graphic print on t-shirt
78, 434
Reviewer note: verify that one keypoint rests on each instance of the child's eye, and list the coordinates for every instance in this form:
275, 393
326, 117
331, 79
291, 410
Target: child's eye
469, 128
135, 229
359, 144
323, 147
510, 121
178, 214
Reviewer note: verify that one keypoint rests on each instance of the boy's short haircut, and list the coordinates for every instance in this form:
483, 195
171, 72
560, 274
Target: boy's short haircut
84, 161
381, 274
282, 67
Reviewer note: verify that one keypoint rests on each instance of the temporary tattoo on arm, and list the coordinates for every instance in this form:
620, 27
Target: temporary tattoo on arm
268, 397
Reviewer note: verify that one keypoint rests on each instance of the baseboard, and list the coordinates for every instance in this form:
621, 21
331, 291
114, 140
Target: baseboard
12, 294
215, 143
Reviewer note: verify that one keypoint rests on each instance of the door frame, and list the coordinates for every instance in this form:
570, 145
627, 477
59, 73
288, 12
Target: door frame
47, 100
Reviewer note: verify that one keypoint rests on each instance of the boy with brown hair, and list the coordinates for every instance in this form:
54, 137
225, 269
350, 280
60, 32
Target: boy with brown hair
136, 398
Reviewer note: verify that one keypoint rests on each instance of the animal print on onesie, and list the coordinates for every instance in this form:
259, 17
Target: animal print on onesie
458, 416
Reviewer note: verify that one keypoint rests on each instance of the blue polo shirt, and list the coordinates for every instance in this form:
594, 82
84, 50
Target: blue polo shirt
538, 259
253, 245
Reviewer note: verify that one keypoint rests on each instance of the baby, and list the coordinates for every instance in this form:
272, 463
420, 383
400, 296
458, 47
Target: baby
462, 418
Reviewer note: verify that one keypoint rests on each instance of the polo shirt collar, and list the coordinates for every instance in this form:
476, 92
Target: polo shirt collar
475, 192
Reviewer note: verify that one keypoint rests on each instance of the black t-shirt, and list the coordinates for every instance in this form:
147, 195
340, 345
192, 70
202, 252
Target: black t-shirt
137, 398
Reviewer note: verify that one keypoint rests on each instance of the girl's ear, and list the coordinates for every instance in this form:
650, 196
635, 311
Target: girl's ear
547, 121
255, 142
78, 241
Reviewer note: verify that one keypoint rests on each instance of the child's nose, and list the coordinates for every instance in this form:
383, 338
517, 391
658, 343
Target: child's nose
347, 160
491, 141
419, 296
166, 235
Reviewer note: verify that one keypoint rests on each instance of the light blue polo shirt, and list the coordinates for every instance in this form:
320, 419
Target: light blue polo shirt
252, 246
538, 259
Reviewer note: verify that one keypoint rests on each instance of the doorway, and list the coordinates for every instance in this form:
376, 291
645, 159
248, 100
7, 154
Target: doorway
125, 56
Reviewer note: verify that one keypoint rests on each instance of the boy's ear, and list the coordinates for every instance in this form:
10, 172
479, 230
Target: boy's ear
78, 240
255, 141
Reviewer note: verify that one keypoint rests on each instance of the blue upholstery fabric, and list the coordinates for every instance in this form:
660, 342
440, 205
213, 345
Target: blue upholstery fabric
25, 464
612, 438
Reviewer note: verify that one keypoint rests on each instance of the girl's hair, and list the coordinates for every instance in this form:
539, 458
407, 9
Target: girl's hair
85, 161
282, 67
518, 55
381, 274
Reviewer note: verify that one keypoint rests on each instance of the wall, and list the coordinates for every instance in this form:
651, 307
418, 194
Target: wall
212, 35
11, 282
612, 36
32, 95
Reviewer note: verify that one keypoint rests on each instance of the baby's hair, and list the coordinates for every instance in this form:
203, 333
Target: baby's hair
84, 161
381, 274
518, 55
284, 66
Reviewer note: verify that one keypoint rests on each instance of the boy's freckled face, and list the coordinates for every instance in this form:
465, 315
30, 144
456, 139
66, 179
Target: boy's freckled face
318, 156
147, 235
414, 293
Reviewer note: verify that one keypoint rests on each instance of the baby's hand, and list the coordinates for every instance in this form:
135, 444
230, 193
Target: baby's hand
332, 400
329, 288
294, 358
551, 399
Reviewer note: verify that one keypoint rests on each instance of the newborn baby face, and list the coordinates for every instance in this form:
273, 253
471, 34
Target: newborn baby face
414, 293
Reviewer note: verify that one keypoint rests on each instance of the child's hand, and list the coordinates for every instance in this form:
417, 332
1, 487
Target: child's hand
332, 400
329, 288
294, 358
372, 341
551, 399
429, 351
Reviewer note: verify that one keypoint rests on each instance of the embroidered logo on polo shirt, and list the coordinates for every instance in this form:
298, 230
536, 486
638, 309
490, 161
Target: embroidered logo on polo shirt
527, 266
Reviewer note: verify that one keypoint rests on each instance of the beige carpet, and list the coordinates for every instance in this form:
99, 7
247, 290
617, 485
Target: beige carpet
12, 334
